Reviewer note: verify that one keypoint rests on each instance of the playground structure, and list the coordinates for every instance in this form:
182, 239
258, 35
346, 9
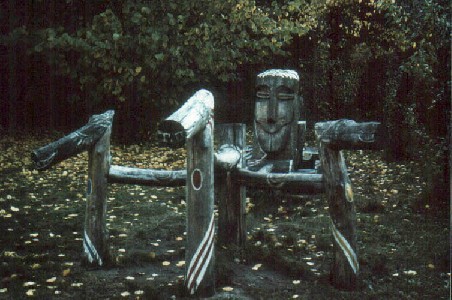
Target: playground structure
275, 163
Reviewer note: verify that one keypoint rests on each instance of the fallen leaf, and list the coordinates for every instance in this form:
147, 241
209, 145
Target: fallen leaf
228, 289
256, 267
410, 272
66, 272
181, 263
51, 280
166, 263
29, 283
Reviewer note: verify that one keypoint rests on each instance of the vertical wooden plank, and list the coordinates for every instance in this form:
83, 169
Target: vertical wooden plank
95, 235
199, 255
300, 143
339, 192
231, 195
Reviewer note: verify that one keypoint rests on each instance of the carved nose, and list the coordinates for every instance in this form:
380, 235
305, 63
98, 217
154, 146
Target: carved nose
271, 121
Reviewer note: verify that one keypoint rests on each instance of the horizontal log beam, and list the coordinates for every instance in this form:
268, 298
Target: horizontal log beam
350, 135
227, 157
148, 177
188, 120
295, 182
73, 143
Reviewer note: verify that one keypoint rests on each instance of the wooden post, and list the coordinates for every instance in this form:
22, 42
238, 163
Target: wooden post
343, 218
333, 136
94, 137
193, 123
231, 195
95, 235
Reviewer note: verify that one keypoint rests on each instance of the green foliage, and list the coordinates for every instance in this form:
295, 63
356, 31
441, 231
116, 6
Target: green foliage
355, 56
159, 48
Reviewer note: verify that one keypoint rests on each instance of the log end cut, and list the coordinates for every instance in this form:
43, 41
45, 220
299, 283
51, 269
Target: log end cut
171, 133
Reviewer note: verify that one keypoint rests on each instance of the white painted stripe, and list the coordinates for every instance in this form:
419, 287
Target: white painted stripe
202, 242
346, 248
200, 255
89, 248
87, 252
202, 263
203, 271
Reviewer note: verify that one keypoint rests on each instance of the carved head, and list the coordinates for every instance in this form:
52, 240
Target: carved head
276, 109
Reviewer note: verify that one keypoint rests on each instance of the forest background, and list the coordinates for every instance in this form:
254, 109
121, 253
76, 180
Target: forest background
381, 60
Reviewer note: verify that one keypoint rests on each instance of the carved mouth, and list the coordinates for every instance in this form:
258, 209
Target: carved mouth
271, 128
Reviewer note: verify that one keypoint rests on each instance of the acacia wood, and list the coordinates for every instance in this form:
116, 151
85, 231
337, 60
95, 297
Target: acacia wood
74, 143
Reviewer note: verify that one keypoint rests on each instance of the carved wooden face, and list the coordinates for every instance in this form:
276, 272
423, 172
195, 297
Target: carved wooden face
277, 101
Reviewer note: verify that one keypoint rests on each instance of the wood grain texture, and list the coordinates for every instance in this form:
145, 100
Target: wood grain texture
231, 195
96, 247
74, 143
295, 182
147, 177
188, 120
350, 135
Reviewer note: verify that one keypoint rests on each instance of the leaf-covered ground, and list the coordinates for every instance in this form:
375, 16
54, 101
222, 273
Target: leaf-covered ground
403, 243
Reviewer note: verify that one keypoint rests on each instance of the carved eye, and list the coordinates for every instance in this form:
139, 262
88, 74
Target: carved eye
263, 93
285, 93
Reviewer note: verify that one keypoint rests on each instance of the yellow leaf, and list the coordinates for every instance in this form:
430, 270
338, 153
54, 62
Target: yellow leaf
181, 263
138, 70
51, 280
228, 289
166, 263
66, 272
